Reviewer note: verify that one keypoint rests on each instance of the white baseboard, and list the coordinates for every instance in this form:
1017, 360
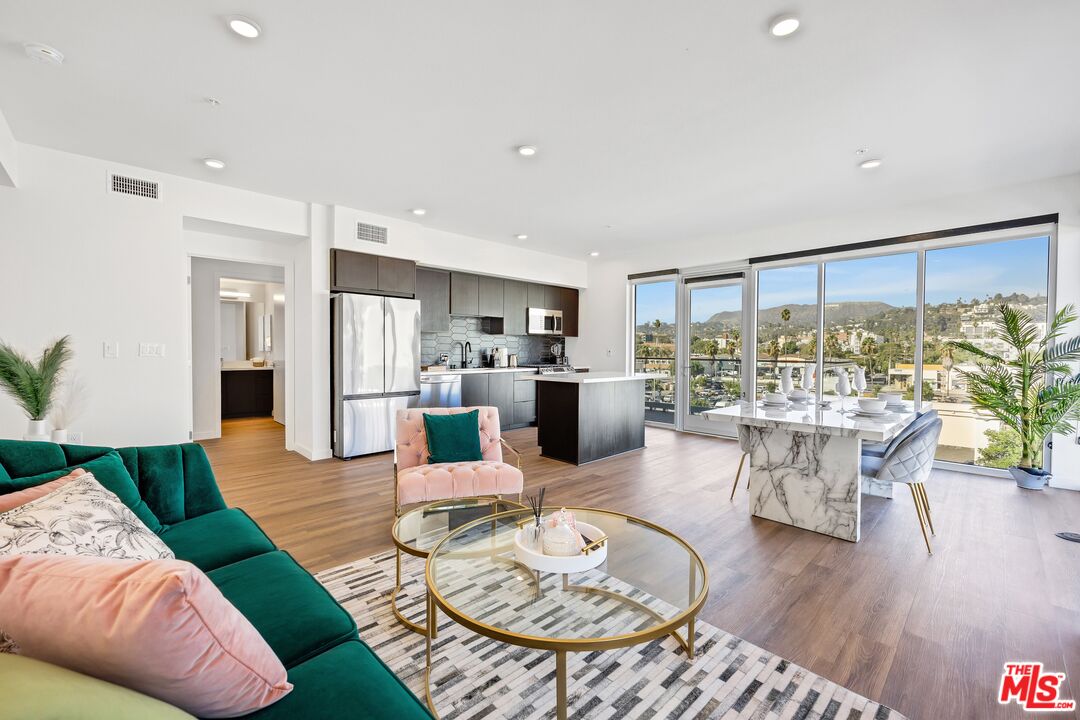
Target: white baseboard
307, 452
205, 436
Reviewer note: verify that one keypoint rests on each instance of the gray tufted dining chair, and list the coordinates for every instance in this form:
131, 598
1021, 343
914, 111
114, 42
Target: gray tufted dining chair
744, 445
910, 462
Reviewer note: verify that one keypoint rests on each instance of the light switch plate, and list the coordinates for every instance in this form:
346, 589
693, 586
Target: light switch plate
110, 349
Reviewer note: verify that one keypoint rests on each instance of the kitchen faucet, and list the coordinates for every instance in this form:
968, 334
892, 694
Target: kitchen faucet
466, 350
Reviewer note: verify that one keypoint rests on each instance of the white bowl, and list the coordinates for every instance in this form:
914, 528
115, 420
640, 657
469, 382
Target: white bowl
774, 398
556, 564
890, 398
799, 394
873, 405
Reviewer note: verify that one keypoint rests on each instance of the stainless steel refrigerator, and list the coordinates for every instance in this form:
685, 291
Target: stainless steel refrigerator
375, 369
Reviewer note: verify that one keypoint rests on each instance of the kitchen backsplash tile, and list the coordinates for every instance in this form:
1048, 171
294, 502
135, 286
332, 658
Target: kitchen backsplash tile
530, 349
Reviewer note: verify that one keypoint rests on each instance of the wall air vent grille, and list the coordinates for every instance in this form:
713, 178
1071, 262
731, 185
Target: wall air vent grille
370, 233
134, 186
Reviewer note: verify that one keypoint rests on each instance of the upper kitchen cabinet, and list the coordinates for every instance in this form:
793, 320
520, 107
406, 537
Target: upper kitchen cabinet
433, 292
363, 273
568, 303
515, 307
490, 297
464, 294
397, 275
538, 296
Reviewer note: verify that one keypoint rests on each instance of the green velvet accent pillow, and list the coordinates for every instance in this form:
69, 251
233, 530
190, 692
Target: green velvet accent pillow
35, 689
453, 438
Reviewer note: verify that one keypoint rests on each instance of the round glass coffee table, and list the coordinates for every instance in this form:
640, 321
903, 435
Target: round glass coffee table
651, 584
417, 531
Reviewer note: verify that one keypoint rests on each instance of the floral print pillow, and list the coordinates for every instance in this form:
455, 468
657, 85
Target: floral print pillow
81, 518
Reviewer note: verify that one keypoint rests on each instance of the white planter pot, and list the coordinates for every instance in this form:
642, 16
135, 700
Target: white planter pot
37, 430
59, 436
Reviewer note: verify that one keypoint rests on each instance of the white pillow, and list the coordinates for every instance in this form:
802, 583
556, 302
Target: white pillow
80, 518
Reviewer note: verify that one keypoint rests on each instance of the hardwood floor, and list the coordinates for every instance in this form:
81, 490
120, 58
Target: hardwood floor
925, 635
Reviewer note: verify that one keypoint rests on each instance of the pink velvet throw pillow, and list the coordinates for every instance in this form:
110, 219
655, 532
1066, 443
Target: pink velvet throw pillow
10, 501
157, 626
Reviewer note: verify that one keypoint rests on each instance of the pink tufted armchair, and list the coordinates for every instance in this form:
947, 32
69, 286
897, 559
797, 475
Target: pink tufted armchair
416, 480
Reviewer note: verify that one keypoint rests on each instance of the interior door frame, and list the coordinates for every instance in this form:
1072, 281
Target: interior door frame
726, 277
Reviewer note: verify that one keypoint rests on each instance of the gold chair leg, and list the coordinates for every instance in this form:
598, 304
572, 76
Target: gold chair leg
926, 508
735, 484
919, 512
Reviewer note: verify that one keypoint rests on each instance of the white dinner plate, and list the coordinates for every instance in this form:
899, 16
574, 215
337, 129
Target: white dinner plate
766, 403
866, 413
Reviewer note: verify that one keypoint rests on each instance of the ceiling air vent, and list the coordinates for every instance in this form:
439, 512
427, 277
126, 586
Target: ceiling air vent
370, 233
134, 186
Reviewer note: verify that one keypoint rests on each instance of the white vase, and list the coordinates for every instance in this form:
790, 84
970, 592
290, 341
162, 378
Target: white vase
843, 385
786, 386
37, 430
59, 436
860, 380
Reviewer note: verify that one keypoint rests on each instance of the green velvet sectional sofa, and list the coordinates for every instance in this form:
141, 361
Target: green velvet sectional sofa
334, 673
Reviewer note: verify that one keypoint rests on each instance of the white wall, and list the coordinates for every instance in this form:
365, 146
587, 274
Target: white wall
9, 155
605, 309
80, 260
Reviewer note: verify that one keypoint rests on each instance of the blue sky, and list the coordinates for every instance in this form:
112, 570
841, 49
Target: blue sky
966, 272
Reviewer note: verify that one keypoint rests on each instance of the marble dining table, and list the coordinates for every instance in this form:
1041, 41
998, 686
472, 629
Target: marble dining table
806, 460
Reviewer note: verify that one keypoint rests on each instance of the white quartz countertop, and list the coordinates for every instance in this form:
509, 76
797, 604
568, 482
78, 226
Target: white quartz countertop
471, 371
596, 377
812, 418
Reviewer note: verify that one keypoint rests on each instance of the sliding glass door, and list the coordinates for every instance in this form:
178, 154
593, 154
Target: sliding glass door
654, 305
787, 327
712, 345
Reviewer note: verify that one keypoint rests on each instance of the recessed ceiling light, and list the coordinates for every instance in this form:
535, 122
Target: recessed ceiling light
594, 254
870, 164
244, 27
214, 163
43, 54
783, 25
234, 294
418, 211
526, 150
213, 102
522, 237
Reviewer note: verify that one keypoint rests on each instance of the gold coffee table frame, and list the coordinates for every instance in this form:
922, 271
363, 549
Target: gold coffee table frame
403, 546
561, 646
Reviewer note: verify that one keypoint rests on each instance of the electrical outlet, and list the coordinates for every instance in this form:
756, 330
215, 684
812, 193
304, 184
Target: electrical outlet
74, 438
151, 350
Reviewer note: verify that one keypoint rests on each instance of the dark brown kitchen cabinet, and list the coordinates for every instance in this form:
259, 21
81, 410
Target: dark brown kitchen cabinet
433, 292
568, 303
361, 272
464, 294
490, 297
537, 295
247, 393
515, 307
353, 271
397, 276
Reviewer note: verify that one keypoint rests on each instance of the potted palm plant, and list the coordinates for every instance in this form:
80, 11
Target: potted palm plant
33, 385
1035, 392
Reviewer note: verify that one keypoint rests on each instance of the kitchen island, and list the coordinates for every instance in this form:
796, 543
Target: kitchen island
584, 417
805, 461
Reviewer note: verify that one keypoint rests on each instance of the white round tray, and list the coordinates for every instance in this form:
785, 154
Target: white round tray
558, 564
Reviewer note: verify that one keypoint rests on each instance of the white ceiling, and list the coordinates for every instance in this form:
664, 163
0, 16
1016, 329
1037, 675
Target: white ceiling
666, 120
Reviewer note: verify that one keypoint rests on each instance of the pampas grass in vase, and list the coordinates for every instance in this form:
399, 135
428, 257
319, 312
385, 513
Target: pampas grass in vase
67, 408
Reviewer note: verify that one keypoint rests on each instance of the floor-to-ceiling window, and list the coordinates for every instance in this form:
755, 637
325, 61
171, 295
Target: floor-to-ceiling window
870, 321
787, 326
654, 346
964, 287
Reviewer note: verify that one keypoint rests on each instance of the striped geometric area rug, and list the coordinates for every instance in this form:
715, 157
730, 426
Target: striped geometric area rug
476, 677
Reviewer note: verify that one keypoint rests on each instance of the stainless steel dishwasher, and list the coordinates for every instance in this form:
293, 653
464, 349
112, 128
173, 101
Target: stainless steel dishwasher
440, 390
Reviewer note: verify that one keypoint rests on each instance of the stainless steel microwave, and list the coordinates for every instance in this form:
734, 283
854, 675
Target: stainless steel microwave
544, 322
